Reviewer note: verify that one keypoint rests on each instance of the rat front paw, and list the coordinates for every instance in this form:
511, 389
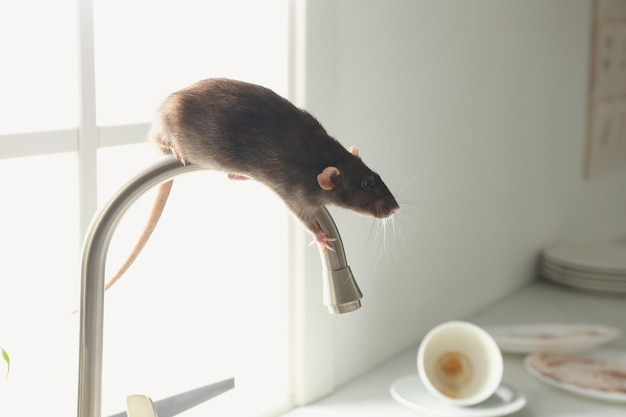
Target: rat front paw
237, 177
178, 156
323, 240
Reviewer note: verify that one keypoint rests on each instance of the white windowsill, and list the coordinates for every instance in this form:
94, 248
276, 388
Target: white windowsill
540, 302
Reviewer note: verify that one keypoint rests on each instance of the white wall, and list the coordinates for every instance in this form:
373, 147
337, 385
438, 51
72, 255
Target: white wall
483, 105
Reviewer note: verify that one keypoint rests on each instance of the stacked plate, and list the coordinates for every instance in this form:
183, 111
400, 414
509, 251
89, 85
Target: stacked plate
587, 266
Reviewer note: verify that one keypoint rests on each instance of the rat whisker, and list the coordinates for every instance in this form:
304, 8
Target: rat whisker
378, 233
418, 177
383, 247
387, 226
407, 185
382, 235
411, 203
409, 218
426, 173
373, 232
398, 232
373, 235
386, 157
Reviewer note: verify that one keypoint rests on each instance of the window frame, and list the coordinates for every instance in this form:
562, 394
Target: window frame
311, 327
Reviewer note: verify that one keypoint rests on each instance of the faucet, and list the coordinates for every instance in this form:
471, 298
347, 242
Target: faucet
341, 293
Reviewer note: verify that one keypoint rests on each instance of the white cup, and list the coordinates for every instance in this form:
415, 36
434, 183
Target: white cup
459, 363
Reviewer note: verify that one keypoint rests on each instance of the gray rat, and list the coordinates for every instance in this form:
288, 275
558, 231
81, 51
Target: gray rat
249, 131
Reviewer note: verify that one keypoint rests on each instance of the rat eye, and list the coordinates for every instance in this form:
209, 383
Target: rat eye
368, 184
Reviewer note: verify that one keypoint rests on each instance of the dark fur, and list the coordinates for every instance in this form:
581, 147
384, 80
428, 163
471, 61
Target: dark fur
246, 129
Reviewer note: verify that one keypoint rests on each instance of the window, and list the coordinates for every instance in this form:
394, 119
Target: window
207, 299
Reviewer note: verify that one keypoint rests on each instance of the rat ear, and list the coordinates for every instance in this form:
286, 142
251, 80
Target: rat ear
329, 178
354, 151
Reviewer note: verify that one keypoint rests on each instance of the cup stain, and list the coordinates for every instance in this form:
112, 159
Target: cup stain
454, 372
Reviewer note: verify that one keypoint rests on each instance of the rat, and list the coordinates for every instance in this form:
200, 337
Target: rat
250, 132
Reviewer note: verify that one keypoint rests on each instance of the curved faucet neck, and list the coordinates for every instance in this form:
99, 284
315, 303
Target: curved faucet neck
341, 292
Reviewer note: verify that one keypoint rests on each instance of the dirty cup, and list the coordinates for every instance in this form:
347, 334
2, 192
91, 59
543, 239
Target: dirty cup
459, 363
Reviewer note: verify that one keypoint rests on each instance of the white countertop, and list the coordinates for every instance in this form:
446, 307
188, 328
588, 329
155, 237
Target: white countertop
540, 302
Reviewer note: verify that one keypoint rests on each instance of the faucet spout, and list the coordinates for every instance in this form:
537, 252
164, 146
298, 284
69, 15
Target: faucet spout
341, 294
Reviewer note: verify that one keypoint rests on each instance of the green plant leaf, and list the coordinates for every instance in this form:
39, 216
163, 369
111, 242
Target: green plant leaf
7, 359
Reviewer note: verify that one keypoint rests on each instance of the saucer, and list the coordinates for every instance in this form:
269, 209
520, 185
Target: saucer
411, 392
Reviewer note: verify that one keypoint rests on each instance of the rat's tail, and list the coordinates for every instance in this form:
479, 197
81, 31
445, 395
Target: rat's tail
153, 220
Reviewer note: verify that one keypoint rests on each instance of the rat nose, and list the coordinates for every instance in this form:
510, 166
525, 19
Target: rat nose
386, 209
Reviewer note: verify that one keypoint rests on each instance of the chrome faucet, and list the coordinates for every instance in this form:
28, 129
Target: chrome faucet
341, 293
